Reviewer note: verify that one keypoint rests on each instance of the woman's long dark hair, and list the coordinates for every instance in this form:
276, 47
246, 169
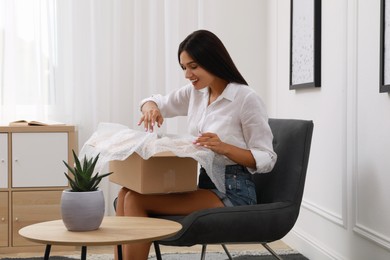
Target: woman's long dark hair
209, 52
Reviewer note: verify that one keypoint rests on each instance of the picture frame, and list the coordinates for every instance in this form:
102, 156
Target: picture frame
305, 44
384, 74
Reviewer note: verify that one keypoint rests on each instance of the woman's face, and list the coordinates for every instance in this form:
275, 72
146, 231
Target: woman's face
199, 77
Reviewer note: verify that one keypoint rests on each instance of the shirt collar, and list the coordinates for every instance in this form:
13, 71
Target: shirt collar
230, 92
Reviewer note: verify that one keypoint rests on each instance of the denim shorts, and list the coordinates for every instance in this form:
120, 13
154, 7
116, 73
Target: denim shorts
240, 189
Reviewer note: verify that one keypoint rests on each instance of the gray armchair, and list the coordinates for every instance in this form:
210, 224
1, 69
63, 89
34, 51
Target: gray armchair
279, 196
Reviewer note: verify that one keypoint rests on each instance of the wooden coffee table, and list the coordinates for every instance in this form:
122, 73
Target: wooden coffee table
113, 231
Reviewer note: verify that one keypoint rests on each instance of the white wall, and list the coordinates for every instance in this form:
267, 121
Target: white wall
345, 213
242, 28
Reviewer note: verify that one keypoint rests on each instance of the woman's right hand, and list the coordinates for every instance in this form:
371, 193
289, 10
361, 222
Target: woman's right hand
150, 116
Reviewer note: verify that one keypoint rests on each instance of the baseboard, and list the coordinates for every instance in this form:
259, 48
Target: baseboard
309, 247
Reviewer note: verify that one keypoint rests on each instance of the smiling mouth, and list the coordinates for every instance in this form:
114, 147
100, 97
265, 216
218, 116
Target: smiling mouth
194, 80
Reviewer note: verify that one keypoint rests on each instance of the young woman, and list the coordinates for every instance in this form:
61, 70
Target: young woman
225, 116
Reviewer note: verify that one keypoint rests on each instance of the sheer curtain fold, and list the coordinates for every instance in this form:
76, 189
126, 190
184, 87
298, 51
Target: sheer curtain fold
83, 62
27, 56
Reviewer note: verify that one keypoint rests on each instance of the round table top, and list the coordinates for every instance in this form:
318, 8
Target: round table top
113, 231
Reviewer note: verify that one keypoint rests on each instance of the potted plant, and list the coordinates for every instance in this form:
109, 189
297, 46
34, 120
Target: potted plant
82, 206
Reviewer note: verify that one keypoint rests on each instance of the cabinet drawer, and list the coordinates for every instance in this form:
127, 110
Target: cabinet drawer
30, 207
37, 159
3, 160
3, 219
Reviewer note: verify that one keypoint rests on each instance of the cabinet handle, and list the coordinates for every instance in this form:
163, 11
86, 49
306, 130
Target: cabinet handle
16, 219
16, 160
2, 219
2, 160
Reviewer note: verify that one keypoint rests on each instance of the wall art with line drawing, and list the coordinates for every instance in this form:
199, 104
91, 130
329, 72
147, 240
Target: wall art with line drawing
384, 75
305, 44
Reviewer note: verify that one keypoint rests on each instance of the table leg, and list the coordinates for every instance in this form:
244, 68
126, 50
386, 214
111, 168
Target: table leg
119, 247
83, 253
47, 252
157, 250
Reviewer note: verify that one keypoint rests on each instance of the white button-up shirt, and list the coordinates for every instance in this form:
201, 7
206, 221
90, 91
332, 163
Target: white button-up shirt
238, 116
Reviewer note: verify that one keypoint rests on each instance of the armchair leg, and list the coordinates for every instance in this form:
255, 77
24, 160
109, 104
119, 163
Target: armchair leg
271, 251
227, 251
115, 203
157, 250
203, 254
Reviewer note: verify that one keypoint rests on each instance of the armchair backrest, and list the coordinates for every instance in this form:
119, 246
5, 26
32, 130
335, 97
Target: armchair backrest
292, 140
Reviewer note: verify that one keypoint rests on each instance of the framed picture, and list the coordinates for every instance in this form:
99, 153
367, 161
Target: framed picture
305, 44
384, 76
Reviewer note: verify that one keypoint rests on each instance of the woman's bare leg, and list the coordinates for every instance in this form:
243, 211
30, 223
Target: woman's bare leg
135, 204
120, 202
120, 211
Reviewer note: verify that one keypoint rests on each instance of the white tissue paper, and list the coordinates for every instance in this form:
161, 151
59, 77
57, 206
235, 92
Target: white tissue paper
117, 142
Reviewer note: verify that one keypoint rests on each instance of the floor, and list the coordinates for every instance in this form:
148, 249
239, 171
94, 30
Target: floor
278, 245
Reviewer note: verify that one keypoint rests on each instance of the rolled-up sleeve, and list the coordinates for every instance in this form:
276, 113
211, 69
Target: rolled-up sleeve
173, 104
257, 134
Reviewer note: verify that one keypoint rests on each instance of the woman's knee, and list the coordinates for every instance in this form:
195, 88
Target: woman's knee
134, 199
134, 204
122, 192
131, 196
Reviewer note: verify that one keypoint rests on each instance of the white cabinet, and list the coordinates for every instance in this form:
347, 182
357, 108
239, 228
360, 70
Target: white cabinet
31, 178
3, 160
37, 159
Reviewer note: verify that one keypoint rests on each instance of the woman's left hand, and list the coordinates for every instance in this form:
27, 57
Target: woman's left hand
212, 142
236, 154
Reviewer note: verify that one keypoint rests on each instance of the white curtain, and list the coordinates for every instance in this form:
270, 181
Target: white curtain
27, 59
111, 55
86, 62
83, 62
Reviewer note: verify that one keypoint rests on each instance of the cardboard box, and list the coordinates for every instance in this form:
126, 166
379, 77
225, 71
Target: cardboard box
161, 173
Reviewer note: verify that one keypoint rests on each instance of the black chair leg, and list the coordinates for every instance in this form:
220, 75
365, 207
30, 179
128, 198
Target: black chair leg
271, 251
227, 251
157, 250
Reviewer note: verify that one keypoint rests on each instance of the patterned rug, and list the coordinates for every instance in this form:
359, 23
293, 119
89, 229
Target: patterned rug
183, 256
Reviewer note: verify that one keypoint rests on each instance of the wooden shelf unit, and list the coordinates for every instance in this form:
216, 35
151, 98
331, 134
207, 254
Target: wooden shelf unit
31, 179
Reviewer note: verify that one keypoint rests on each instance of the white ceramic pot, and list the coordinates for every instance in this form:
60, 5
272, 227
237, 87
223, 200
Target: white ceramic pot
82, 211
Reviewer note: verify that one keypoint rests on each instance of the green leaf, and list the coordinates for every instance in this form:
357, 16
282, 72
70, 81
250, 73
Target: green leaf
83, 177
